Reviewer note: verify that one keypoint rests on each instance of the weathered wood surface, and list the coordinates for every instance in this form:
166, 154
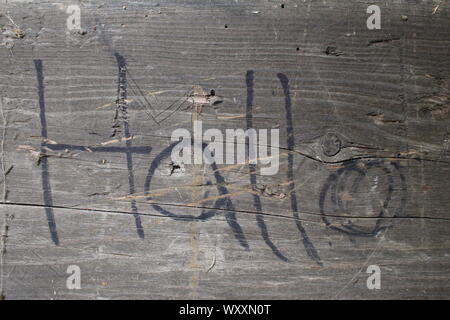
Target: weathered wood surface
382, 95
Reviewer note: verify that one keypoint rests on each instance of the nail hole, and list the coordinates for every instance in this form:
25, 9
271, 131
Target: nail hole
298, 49
226, 26
282, 6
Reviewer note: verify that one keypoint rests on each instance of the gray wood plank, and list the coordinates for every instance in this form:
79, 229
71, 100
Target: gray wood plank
364, 159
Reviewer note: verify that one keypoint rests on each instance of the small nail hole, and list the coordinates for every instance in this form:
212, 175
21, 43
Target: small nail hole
282, 6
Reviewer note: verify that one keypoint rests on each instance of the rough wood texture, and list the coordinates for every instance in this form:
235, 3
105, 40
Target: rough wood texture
364, 128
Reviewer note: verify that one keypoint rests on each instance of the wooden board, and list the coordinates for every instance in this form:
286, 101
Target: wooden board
364, 160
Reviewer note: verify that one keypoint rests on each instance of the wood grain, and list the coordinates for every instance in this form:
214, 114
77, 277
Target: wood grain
364, 160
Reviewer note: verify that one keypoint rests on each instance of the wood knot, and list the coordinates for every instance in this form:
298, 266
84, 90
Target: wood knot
331, 144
